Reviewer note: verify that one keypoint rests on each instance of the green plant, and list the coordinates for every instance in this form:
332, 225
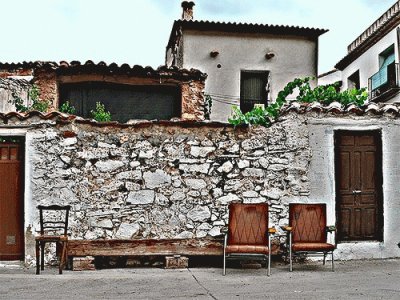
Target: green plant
257, 115
18, 102
324, 94
207, 106
34, 96
67, 108
100, 114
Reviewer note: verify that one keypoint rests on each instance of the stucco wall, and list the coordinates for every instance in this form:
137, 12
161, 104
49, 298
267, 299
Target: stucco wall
322, 179
294, 57
368, 62
11, 88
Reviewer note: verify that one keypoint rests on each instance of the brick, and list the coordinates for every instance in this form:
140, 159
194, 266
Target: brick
83, 263
176, 262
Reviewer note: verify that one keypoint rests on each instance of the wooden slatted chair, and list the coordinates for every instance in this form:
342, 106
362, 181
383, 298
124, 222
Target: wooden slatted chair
248, 235
307, 232
53, 229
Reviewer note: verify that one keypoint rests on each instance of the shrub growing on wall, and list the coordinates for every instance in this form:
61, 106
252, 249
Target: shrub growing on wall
66, 107
100, 114
34, 96
325, 94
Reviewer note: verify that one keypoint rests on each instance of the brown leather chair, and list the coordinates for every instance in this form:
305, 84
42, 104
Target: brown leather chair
53, 229
248, 235
307, 231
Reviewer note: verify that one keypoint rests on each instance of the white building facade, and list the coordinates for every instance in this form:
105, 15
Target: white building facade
372, 61
246, 64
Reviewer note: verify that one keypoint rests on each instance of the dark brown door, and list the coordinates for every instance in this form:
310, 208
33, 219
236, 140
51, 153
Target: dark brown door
359, 186
11, 201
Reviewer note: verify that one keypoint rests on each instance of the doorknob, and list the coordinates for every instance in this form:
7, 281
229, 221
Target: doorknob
356, 192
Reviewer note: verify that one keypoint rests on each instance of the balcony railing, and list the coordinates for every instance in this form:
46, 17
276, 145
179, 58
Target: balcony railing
384, 83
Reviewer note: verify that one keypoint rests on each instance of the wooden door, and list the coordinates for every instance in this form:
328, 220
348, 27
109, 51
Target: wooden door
11, 201
359, 186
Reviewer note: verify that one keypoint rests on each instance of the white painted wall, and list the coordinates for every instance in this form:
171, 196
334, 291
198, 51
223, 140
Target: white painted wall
294, 57
330, 78
368, 62
322, 180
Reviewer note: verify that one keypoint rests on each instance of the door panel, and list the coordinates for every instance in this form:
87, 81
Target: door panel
359, 185
11, 202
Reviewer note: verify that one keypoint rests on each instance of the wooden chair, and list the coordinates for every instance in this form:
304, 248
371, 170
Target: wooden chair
248, 235
53, 229
307, 232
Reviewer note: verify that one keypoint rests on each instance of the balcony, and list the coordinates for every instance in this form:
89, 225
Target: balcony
384, 84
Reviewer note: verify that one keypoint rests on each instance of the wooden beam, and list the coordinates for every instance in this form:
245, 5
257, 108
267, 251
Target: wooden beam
145, 247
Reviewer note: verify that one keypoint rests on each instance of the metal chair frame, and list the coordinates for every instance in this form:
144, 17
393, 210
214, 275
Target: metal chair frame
328, 229
249, 256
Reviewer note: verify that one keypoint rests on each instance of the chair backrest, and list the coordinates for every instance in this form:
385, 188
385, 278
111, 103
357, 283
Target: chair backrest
54, 219
248, 224
308, 222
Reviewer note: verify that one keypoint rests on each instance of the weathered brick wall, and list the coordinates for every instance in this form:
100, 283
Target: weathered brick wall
4, 73
46, 81
172, 181
193, 100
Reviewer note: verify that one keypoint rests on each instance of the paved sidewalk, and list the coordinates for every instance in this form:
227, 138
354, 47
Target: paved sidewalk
374, 279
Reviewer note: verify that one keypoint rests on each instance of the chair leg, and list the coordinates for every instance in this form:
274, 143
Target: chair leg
224, 271
325, 254
62, 258
333, 264
42, 244
224, 263
269, 256
37, 258
290, 254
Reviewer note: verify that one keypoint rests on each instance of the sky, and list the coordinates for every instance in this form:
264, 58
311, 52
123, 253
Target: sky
136, 32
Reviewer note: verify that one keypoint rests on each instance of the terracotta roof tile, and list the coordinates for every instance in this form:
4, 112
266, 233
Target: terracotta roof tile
337, 108
76, 67
244, 28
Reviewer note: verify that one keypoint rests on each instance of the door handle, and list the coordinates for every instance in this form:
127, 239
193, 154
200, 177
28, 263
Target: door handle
356, 192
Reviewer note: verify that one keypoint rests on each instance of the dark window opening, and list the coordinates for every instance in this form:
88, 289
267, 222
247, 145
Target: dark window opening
124, 102
353, 82
254, 89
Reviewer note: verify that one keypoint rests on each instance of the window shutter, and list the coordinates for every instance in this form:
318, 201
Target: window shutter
253, 89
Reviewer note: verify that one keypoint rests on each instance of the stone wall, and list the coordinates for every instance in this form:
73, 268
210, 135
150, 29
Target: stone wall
176, 179
171, 180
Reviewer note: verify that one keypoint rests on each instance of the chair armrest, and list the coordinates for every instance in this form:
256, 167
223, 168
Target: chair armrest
224, 230
331, 228
287, 228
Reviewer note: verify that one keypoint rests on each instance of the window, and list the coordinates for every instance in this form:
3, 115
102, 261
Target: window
254, 89
353, 82
386, 69
124, 102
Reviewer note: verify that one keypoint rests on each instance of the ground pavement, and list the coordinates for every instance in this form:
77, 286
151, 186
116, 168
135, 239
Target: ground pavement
368, 279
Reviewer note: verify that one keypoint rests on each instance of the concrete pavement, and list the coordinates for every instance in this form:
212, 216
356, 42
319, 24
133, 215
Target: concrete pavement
369, 279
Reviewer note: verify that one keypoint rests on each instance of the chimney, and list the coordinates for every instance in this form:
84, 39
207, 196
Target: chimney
187, 12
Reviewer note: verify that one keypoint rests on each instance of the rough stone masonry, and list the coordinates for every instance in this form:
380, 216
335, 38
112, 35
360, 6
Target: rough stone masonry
164, 181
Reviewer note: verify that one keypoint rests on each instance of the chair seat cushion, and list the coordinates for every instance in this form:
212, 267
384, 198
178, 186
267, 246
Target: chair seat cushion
256, 249
312, 247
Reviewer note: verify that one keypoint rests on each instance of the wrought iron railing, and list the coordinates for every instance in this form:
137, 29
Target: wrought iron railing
384, 82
